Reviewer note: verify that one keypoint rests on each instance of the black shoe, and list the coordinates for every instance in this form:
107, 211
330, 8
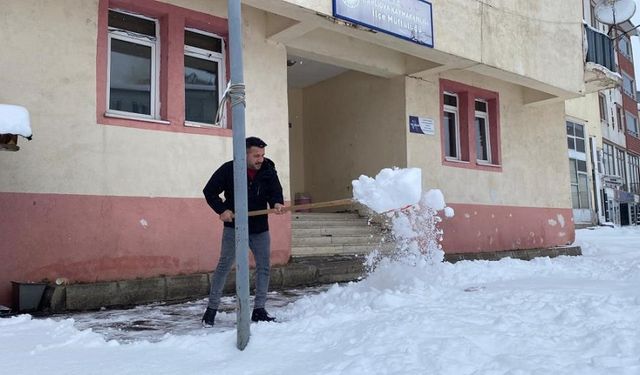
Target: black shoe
261, 315
209, 317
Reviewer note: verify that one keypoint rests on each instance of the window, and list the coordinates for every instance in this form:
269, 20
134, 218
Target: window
451, 126
619, 117
632, 124
603, 107
132, 65
203, 75
483, 148
607, 159
620, 164
628, 85
579, 183
470, 126
592, 13
160, 67
634, 173
624, 44
575, 137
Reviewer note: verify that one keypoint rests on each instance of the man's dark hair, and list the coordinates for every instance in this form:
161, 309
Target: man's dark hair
255, 142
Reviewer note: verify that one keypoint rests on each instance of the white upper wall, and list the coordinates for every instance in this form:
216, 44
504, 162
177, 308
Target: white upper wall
538, 40
49, 66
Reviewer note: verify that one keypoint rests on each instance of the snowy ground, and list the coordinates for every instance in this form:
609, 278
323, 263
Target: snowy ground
567, 315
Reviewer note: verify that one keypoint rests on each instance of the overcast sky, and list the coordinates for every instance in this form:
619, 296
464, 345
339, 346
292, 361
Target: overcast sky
636, 42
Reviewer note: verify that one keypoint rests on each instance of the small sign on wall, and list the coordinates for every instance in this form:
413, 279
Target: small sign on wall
421, 125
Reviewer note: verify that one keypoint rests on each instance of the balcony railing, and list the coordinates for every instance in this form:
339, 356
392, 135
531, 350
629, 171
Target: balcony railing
600, 49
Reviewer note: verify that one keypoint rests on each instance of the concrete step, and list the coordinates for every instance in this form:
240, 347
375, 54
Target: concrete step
366, 239
357, 230
310, 224
306, 251
325, 216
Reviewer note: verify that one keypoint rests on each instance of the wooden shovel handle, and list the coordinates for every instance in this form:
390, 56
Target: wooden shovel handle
339, 202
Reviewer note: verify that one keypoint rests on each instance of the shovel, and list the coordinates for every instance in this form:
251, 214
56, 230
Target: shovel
391, 190
339, 202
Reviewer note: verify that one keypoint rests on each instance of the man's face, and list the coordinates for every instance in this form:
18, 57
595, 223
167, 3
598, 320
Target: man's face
255, 157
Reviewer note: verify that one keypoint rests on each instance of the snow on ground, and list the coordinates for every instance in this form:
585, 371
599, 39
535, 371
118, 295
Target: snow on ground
567, 315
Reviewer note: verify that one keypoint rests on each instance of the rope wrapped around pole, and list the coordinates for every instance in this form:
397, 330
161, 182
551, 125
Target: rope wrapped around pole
234, 92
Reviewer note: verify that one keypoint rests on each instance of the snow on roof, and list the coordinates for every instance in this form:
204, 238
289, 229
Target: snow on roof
14, 119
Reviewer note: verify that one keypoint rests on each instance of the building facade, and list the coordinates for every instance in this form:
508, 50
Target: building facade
604, 156
122, 95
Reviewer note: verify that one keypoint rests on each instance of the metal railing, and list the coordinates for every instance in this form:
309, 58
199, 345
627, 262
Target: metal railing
600, 49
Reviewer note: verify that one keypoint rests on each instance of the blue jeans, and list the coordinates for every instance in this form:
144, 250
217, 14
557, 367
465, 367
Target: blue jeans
260, 245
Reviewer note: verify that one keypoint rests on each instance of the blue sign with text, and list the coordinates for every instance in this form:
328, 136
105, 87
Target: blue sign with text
407, 19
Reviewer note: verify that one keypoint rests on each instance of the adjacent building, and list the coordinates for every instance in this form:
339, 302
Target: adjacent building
602, 129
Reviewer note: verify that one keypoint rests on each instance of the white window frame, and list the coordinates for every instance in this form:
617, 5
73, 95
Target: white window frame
627, 77
573, 152
633, 164
485, 116
145, 40
608, 159
218, 57
585, 175
456, 112
628, 115
627, 42
621, 164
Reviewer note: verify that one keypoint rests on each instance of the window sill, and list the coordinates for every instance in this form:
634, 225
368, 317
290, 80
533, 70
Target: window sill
475, 165
202, 125
134, 118
457, 161
488, 165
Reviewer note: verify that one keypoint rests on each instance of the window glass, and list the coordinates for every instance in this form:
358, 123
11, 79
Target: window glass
632, 124
569, 128
583, 188
603, 107
202, 41
575, 197
582, 165
579, 129
451, 148
625, 46
129, 22
628, 85
482, 144
572, 171
201, 89
450, 100
130, 77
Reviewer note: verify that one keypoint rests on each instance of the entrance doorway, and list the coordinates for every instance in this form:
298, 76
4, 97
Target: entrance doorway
342, 124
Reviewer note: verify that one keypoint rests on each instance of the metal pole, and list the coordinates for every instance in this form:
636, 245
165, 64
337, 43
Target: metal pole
239, 178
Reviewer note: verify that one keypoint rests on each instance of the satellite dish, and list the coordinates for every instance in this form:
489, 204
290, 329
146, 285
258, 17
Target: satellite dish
613, 12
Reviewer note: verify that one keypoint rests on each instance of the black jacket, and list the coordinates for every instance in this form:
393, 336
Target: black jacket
264, 189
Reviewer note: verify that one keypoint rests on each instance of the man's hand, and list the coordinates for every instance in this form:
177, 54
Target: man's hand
279, 208
227, 216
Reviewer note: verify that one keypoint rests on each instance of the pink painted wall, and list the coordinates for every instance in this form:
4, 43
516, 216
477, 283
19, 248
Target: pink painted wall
96, 238
476, 228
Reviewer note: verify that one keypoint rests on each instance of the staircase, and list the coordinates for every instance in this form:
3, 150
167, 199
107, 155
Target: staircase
326, 234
